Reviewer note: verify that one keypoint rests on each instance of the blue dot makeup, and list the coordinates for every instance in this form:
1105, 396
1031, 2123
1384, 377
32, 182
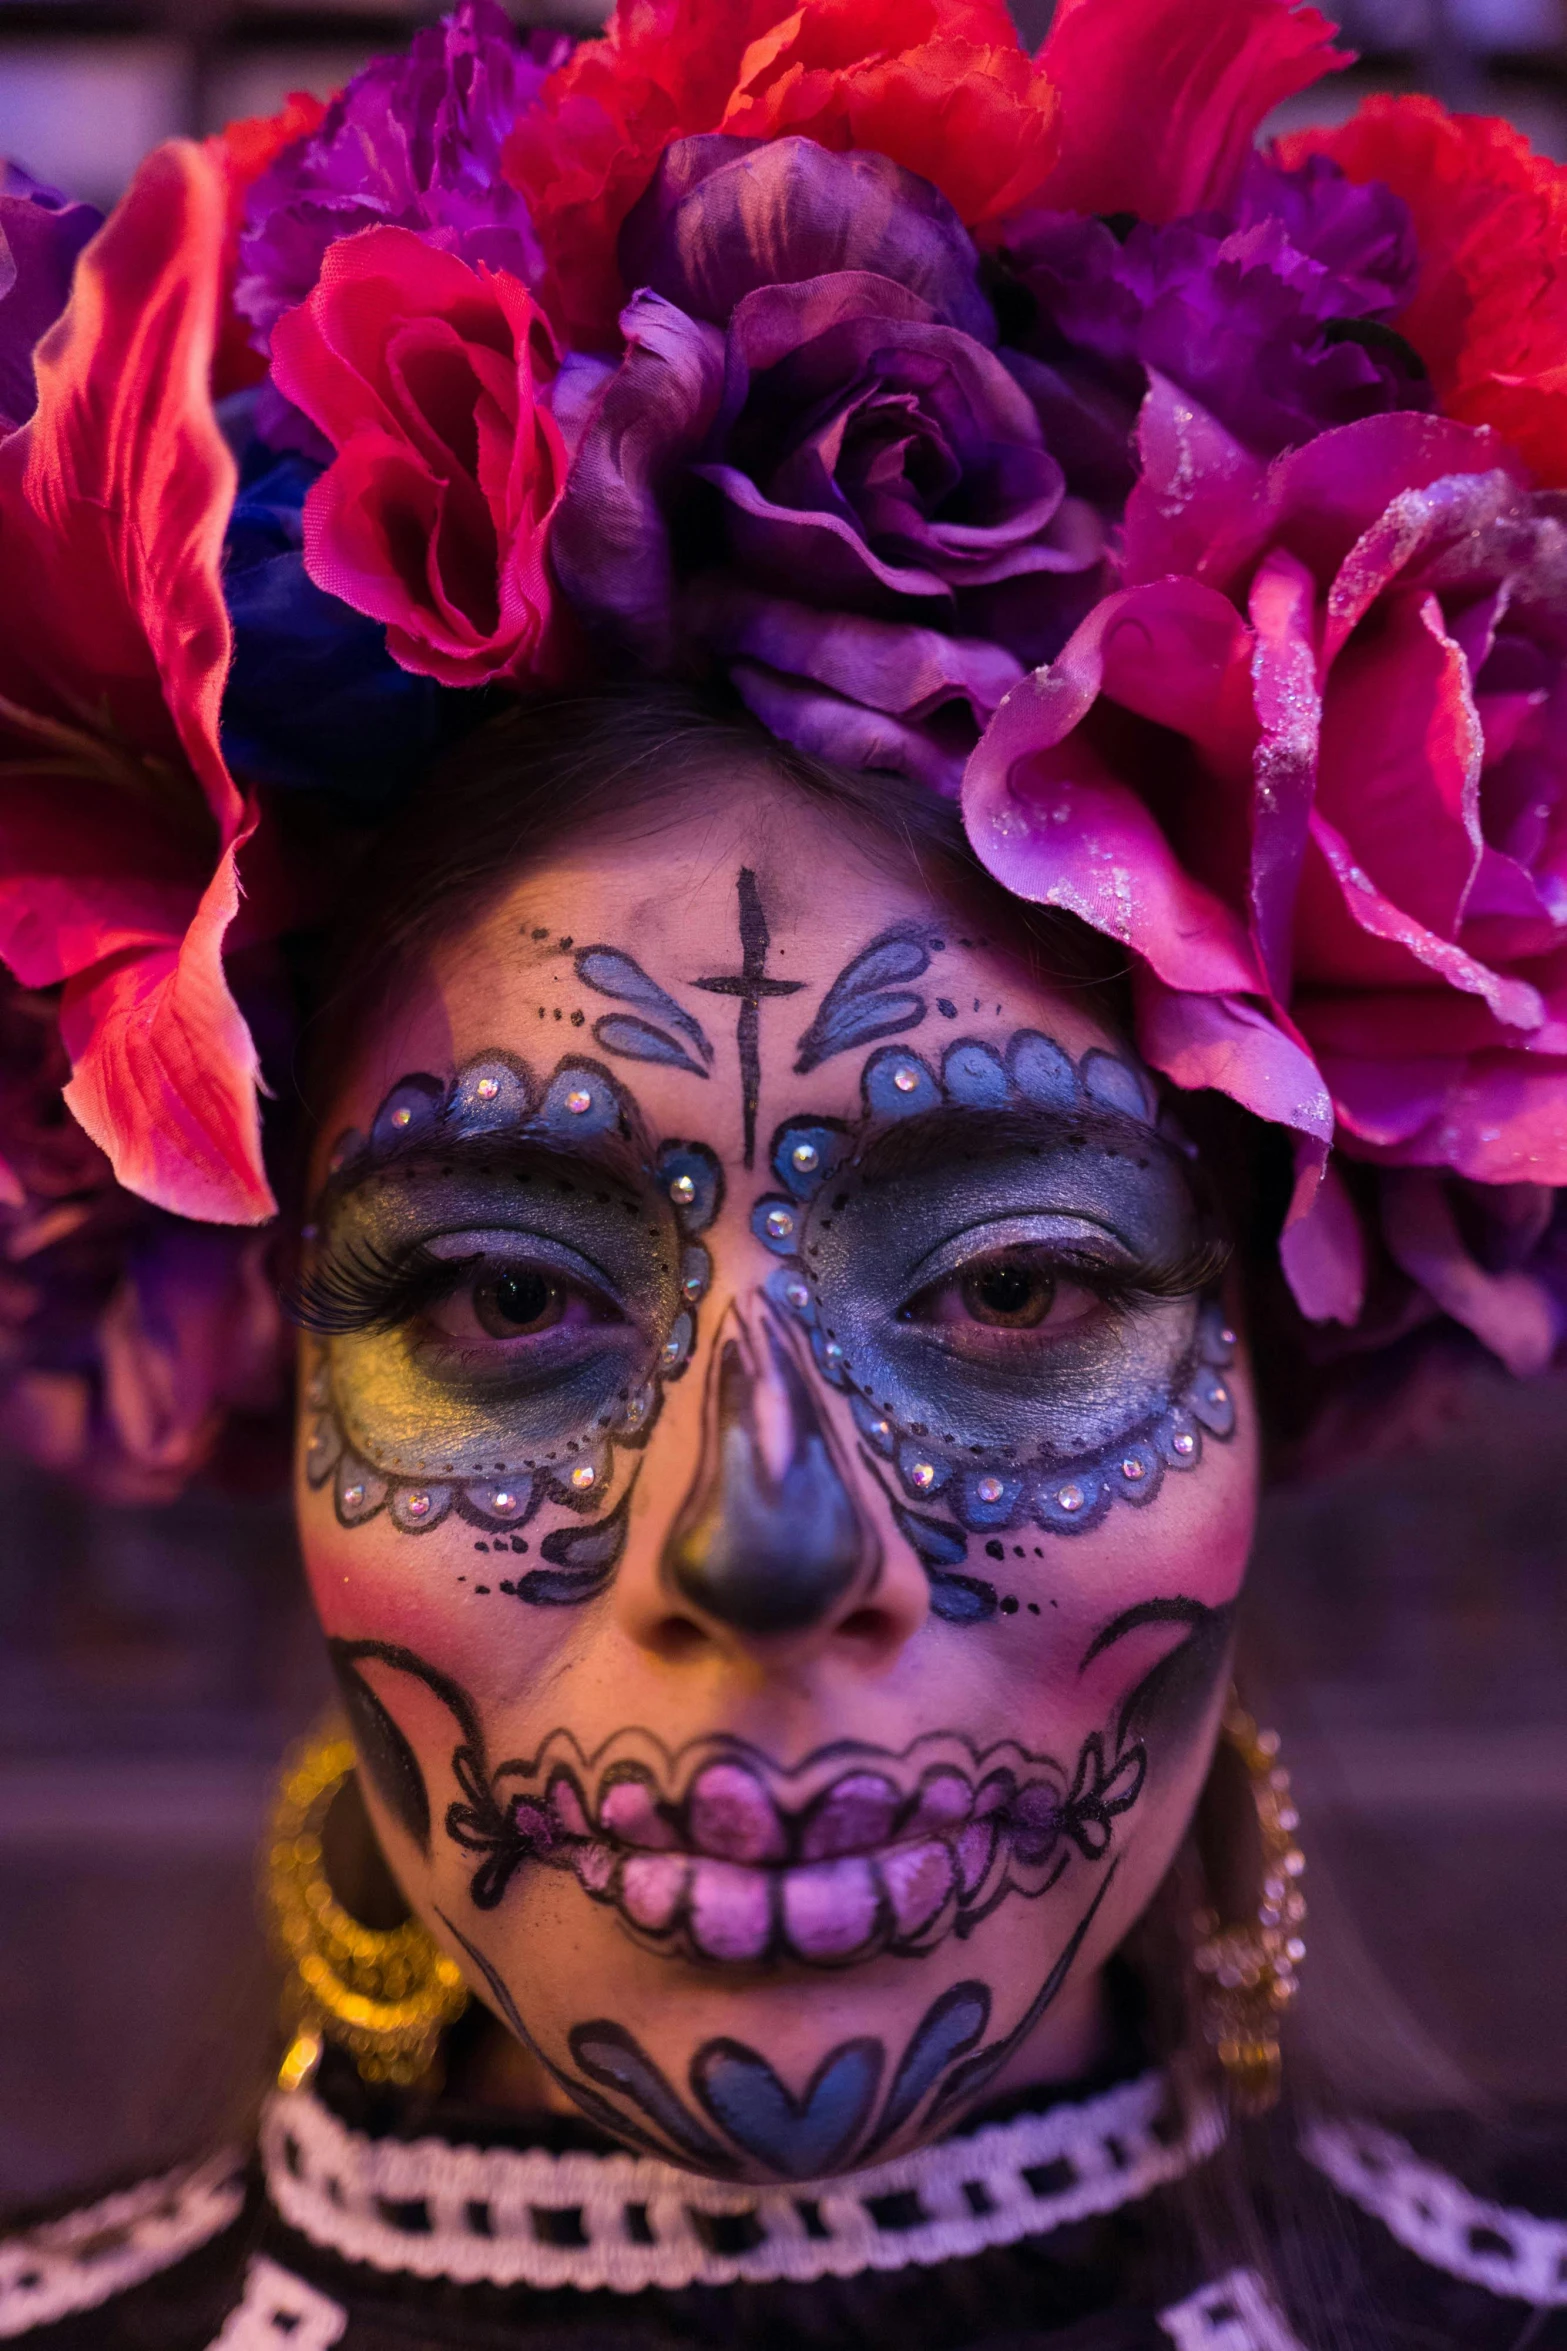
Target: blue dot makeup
506, 1278
1002, 1266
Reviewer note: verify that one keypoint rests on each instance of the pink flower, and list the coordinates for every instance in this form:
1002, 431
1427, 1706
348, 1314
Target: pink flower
1310, 765
120, 826
426, 376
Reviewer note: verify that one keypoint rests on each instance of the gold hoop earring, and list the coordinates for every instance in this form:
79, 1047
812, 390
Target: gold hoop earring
1249, 1964
385, 1994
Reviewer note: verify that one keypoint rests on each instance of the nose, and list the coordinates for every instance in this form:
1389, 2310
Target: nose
771, 1541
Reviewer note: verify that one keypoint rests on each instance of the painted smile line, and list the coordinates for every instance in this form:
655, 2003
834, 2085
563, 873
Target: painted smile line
888, 1855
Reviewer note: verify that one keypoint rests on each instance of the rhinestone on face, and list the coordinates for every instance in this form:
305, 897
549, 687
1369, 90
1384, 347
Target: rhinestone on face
805, 1157
1071, 1498
583, 1475
418, 1505
881, 1429
670, 1351
1226, 1337
503, 1504
353, 1496
797, 1294
693, 1285
833, 1352
635, 1410
1132, 1469
990, 1489
1185, 1442
1218, 1393
487, 1089
905, 1079
682, 1191
780, 1224
402, 1116
922, 1475
579, 1100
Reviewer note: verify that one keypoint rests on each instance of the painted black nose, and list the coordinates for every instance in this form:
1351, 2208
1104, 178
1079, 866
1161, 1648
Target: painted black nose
770, 1538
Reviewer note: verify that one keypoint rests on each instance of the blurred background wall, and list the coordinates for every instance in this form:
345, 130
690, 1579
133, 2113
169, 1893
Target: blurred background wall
1409, 1620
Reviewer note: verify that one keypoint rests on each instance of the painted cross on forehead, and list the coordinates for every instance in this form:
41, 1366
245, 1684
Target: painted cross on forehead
928, 1250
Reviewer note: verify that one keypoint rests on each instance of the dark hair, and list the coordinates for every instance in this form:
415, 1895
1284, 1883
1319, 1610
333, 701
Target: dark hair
627, 758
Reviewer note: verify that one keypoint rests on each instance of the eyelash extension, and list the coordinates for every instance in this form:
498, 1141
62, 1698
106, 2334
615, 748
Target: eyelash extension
1160, 1280
358, 1288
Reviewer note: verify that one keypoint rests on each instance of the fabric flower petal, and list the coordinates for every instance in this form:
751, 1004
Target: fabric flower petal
113, 502
1160, 101
1052, 822
1489, 314
1509, 1312
41, 233
789, 209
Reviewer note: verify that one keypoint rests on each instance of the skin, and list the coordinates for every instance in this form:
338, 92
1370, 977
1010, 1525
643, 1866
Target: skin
1058, 1678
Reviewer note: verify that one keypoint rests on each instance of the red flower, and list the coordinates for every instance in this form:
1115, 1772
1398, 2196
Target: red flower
243, 150
119, 822
1161, 99
424, 375
944, 90
939, 86
1489, 317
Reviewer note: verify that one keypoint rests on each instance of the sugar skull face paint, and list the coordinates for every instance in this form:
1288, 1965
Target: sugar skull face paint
776, 1481
507, 1276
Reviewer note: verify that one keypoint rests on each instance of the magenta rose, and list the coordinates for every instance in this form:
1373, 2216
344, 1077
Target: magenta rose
1309, 765
427, 377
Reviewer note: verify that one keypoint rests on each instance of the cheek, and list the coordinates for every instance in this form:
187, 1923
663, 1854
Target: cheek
1084, 1618
429, 1593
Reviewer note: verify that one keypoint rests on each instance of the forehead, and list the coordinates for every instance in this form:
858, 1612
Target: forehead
750, 885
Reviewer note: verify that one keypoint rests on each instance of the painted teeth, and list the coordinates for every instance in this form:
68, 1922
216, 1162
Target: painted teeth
651, 1888
866, 1867
630, 1814
831, 1909
856, 1816
918, 1879
946, 1800
974, 1847
731, 1816
731, 1910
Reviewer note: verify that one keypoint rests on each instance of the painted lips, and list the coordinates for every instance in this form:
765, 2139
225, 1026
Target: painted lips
731, 1874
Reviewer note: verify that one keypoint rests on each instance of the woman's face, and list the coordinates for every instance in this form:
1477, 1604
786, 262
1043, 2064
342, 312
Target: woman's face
775, 1477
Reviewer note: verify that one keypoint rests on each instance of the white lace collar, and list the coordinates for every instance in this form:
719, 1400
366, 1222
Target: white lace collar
501, 2217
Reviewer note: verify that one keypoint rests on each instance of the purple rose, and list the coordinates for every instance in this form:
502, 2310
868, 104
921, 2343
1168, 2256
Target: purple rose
1272, 316
41, 233
813, 468
414, 141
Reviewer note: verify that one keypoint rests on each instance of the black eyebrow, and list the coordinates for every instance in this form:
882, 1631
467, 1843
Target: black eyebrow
593, 1159
955, 1134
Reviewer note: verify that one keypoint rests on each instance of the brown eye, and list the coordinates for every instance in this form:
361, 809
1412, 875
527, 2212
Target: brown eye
517, 1302
1008, 1296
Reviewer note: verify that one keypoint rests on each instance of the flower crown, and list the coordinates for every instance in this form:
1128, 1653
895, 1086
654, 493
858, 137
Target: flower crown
1191, 514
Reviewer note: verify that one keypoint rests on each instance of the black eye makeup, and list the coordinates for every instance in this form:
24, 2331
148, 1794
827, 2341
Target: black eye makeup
505, 1274
1004, 1268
